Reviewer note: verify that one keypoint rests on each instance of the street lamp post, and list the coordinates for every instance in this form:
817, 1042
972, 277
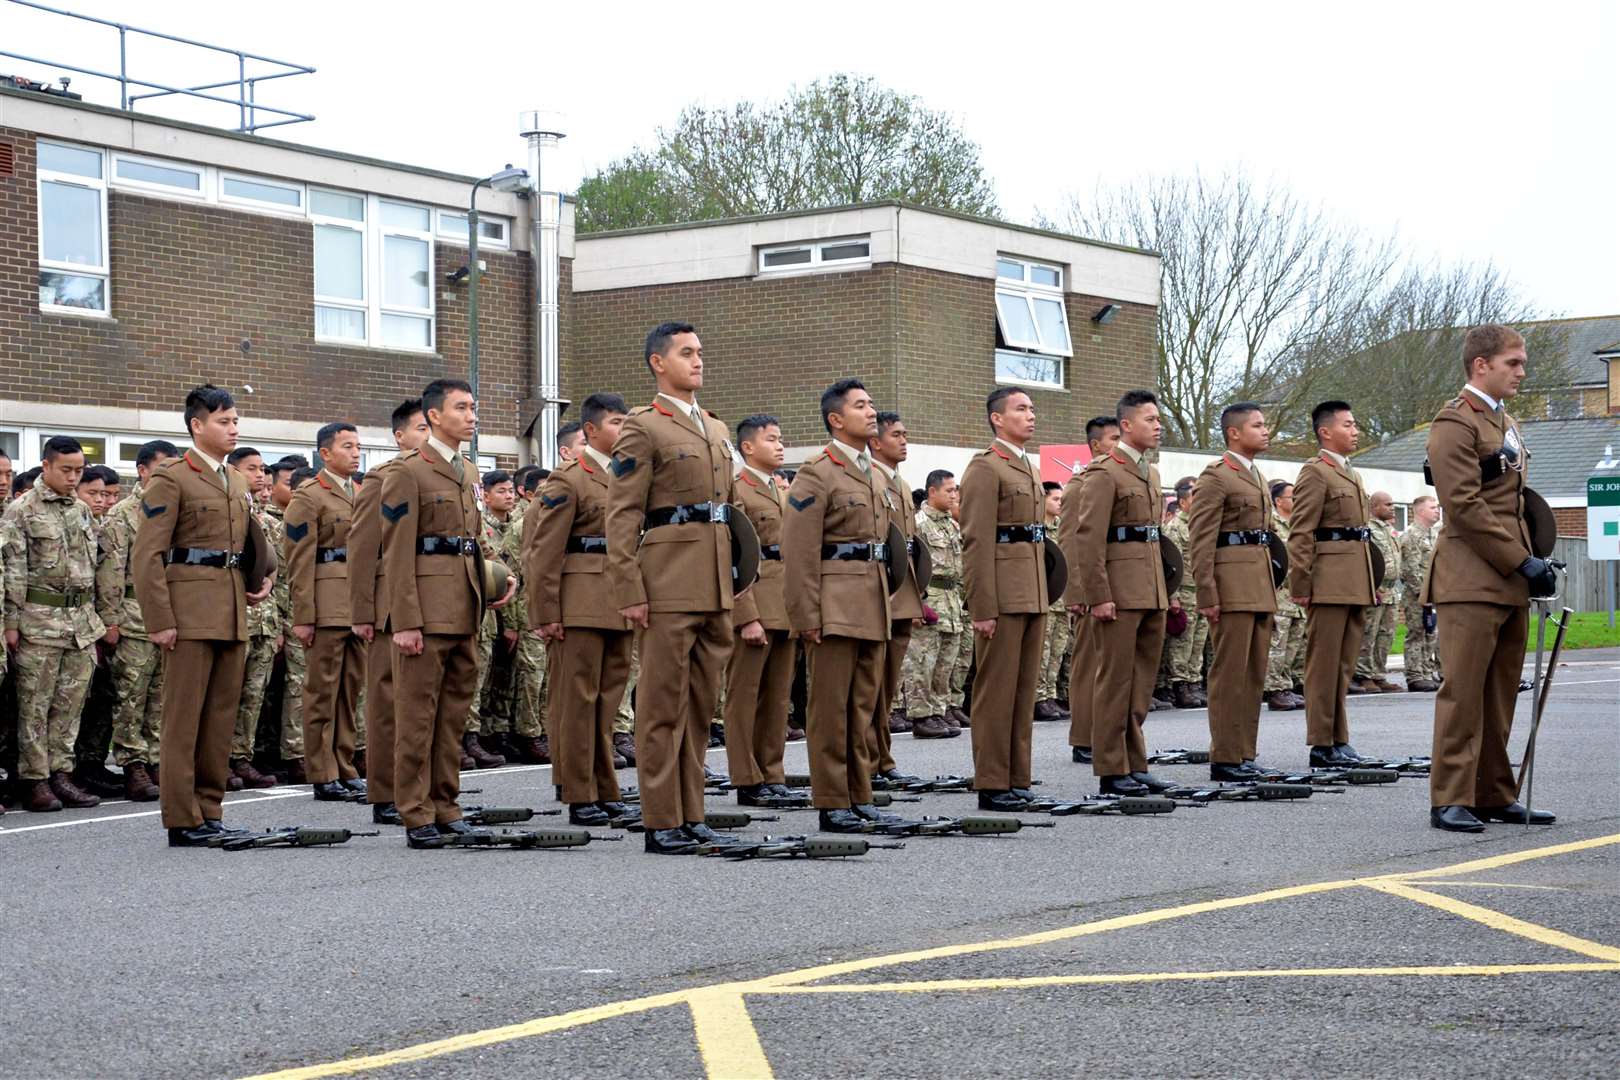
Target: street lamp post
508, 179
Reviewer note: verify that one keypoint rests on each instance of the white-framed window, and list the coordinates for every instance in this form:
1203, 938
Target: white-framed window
1032, 322
158, 175
815, 255
493, 232
73, 271
373, 270
261, 192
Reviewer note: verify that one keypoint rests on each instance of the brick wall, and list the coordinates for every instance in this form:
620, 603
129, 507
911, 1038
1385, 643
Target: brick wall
923, 341
189, 282
1571, 520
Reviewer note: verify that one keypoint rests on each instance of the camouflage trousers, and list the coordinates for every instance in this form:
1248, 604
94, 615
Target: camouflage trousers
1376, 640
1056, 647
625, 722
1187, 651
963, 665
1422, 647
480, 718
292, 700
360, 718
1285, 668
261, 659
928, 669
137, 670
52, 681
529, 676
96, 719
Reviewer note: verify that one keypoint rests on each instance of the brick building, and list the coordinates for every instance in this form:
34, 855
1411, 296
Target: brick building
141, 256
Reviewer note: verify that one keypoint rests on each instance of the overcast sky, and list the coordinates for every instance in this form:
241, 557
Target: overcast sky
1479, 131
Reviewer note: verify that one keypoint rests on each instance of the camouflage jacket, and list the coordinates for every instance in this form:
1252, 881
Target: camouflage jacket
275, 531
1417, 548
1180, 534
1058, 608
1286, 608
940, 532
264, 620
506, 539
115, 584
1389, 546
50, 558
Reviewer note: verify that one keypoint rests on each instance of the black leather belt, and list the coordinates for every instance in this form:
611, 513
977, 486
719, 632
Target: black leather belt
845, 552
586, 545
1325, 536
714, 513
1020, 534
1243, 537
223, 560
771, 551
1490, 468
1133, 534
327, 555
446, 545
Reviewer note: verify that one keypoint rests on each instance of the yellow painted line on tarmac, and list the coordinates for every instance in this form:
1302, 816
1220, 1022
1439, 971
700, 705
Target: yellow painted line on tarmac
726, 1036
1496, 920
928, 986
1430, 884
1509, 859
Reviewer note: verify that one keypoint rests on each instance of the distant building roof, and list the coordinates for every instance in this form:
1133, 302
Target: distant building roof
1563, 453
1586, 337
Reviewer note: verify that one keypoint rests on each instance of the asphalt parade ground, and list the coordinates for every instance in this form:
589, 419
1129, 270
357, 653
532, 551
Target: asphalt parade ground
1336, 936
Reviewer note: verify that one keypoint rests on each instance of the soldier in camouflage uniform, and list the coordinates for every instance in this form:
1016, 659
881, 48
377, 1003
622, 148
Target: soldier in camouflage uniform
1187, 651
98, 489
283, 482
529, 665
137, 664
51, 625
1285, 667
1417, 549
1050, 694
264, 627
937, 647
481, 718
624, 724
1378, 635
959, 703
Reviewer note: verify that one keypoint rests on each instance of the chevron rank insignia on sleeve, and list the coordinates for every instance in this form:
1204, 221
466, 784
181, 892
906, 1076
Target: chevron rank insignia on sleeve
551, 502
394, 513
296, 533
623, 466
801, 504
151, 511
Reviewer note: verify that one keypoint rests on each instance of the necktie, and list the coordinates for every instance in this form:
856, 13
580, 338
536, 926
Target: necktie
460, 469
225, 480
697, 418
863, 462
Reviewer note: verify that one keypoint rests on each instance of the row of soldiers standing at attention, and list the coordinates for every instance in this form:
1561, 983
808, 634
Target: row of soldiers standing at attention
632, 545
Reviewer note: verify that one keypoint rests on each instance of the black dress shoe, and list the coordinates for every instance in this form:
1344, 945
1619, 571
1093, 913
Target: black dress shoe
219, 826
1005, 801
587, 814
842, 821
1455, 819
425, 836
1346, 751
1327, 757
1239, 774
1153, 783
895, 776
872, 813
357, 786
193, 837
1515, 814
1024, 793
1120, 785
385, 813
615, 809
669, 842
458, 828
1080, 755
752, 794
332, 791
1525, 684
700, 832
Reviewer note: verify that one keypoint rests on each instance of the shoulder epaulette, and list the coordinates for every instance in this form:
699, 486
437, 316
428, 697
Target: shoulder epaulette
639, 409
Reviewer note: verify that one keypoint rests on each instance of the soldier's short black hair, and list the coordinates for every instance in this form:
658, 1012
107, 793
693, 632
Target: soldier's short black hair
1173, 506
25, 480
994, 403
1050, 486
540, 476
298, 461
658, 338
151, 451
1099, 424
886, 420
1133, 400
528, 478
568, 431
753, 425
1236, 413
1325, 412
1278, 487
938, 477
832, 399
359, 478
279, 467
401, 417
99, 472
57, 445
496, 476
301, 475
598, 407
328, 432
205, 400
241, 454
1184, 485
918, 496
435, 392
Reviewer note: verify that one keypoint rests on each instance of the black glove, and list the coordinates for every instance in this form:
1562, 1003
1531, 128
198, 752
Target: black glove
1431, 619
1543, 580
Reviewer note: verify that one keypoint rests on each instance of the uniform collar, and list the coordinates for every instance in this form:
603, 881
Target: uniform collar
847, 453
1496, 406
1017, 452
765, 479
1131, 452
886, 472
48, 495
444, 450
1240, 459
1338, 459
599, 459
935, 515
213, 466
682, 407
336, 481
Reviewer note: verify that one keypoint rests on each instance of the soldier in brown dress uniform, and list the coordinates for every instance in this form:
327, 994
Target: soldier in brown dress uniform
889, 450
1102, 435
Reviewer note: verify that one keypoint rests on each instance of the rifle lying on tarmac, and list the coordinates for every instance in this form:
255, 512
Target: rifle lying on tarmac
502, 815
1178, 755
796, 847
1128, 805
714, 819
1330, 780
1262, 790
967, 826
939, 785
287, 836
525, 838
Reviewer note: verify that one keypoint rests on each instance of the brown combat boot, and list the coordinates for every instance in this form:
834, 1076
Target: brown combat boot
1281, 701
899, 723
70, 794
1386, 687
40, 799
1048, 710
296, 773
482, 759
794, 734
961, 715
1422, 686
138, 785
250, 776
359, 763
624, 744
1186, 695
933, 727
152, 771
1358, 685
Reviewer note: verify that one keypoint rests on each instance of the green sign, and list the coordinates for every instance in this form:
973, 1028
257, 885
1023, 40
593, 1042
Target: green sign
1603, 491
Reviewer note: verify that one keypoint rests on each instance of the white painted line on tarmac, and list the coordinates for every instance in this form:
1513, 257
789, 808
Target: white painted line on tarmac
267, 797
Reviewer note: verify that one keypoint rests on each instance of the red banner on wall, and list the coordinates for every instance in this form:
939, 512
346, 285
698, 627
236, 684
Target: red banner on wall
1062, 460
